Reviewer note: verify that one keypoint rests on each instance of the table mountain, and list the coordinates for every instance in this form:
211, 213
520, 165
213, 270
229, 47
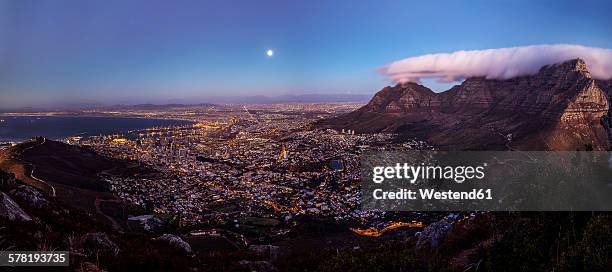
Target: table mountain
559, 108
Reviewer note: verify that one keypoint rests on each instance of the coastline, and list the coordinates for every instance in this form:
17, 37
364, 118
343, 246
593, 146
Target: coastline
68, 115
12, 140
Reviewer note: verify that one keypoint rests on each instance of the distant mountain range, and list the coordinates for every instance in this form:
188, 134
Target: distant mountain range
154, 106
257, 99
300, 98
77, 109
560, 108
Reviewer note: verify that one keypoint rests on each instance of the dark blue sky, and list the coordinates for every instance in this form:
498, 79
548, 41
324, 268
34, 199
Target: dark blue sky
187, 51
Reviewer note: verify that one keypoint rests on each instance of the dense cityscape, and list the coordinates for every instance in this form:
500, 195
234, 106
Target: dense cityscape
235, 164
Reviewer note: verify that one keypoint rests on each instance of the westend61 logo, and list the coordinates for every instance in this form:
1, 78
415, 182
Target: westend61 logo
486, 181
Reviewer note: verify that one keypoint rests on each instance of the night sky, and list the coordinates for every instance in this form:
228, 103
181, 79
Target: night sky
62, 52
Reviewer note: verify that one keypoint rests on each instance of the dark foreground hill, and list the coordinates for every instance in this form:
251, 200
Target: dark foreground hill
559, 108
68, 165
33, 220
72, 174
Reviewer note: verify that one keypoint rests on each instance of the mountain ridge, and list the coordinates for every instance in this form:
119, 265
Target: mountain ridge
559, 108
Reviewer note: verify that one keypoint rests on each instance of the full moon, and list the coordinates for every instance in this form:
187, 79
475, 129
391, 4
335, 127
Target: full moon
270, 53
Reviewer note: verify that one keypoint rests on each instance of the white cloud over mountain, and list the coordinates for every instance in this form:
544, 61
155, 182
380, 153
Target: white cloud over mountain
502, 63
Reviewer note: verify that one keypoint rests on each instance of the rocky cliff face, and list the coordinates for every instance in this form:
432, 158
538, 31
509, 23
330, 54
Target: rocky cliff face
606, 121
606, 86
560, 108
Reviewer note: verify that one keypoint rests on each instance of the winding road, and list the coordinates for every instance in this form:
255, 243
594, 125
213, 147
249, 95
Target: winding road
34, 166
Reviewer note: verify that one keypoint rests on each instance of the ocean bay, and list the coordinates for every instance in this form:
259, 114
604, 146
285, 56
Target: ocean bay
21, 128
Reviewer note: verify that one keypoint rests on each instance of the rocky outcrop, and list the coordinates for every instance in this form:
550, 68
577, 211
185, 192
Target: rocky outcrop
559, 108
30, 196
147, 222
98, 243
433, 234
606, 86
10, 210
175, 242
